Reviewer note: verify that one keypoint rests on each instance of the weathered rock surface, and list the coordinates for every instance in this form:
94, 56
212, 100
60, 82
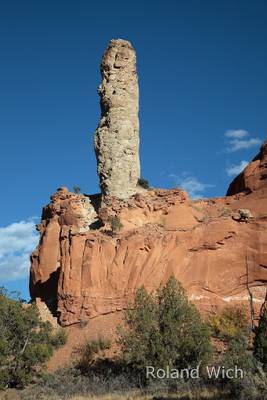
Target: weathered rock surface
254, 176
65, 209
85, 273
117, 136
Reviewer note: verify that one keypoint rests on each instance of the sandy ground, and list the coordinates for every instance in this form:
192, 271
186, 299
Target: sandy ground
102, 326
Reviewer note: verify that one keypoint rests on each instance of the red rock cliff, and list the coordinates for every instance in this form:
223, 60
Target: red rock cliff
81, 269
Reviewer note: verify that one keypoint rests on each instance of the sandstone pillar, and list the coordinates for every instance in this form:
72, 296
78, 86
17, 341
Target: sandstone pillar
116, 138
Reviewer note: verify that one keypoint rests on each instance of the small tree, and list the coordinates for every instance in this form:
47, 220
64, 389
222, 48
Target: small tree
115, 223
260, 341
229, 323
89, 351
76, 189
143, 183
164, 329
140, 339
26, 342
232, 326
249, 383
237, 354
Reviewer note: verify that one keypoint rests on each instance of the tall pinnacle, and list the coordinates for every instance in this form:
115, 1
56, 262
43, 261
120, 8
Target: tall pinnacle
117, 135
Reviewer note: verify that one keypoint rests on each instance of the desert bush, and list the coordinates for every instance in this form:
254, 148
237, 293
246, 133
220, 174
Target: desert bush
59, 338
26, 342
76, 189
100, 379
230, 322
232, 325
225, 212
115, 223
88, 351
83, 323
163, 329
260, 340
253, 384
237, 354
143, 183
202, 219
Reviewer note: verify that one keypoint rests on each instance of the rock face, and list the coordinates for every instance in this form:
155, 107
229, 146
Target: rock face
218, 259
117, 136
65, 210
254, 175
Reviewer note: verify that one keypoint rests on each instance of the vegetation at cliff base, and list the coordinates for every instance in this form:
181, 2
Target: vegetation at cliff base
228, 323
162, 329
260, 341
231, 326
89, 351
26, 342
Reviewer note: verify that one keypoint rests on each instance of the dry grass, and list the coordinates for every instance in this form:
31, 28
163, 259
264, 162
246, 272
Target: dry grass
206, 394
114, 397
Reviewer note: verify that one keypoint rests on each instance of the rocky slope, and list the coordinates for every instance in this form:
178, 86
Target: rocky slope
219, 257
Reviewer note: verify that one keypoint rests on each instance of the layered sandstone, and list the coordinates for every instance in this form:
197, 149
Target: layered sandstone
117, 136
66, 209
218, 258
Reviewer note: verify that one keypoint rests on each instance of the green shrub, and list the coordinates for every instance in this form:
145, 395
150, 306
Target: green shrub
26, 342
237, 354
83, 323
76, 189
115, 223
88, 351
260, 341
143, 183
59, 338
70, 383
253, 384
225, 212
230, 322
164, 329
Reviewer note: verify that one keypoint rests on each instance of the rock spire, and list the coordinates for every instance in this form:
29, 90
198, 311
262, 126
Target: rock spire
116, 138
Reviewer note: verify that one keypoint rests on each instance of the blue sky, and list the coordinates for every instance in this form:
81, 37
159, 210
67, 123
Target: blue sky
202, 73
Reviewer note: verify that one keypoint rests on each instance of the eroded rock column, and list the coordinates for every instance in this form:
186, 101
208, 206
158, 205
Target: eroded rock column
117, 135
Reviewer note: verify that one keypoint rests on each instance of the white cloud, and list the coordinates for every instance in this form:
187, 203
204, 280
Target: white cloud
240, 140
17, 241
236, 169
237, 134
236, 144
191, 184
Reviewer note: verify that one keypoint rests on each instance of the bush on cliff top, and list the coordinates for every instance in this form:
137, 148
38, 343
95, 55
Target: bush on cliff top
143, 183
115, 223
